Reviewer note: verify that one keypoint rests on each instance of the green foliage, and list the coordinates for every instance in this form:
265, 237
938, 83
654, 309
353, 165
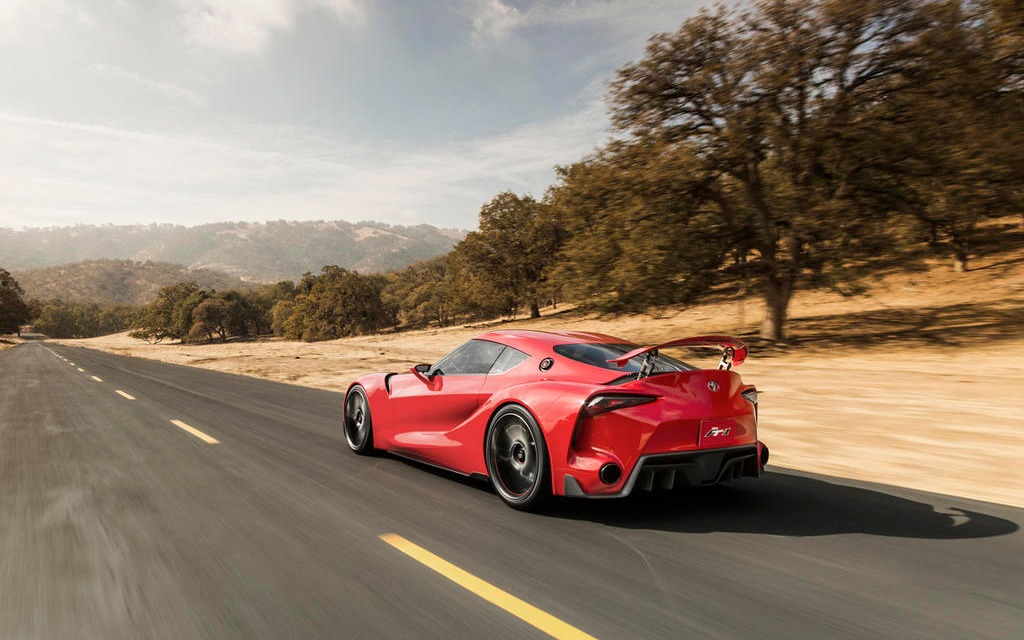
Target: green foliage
957, 149
784, 140
421, 294
280, 314
335, 304
14, 312
170, 315
260, 302
637, 235
184, 311
70, 319
504, 265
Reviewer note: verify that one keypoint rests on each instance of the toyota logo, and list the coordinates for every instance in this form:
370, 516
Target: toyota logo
713, 386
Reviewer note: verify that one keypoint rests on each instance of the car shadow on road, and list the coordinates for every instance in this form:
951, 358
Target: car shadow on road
791, 504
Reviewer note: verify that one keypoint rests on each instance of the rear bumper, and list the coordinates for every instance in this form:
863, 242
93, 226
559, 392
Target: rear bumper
669, 471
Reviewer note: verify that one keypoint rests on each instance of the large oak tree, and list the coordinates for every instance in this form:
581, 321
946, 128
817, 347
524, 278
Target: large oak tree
504, 265
14, 312
777, 110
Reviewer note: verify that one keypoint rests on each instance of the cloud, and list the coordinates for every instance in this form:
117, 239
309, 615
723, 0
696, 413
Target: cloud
58, 173
247, 26
22, 21
166, 89
492, 21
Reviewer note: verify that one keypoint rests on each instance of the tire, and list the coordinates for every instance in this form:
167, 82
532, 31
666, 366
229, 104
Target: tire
517, 459
357, 422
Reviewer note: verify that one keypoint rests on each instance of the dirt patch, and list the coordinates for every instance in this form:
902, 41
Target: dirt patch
6, 342
916, 383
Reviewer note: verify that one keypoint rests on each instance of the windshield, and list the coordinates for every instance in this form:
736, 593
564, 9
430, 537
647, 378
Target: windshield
598, 355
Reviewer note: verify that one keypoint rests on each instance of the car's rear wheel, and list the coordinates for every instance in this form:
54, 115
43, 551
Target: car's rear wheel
517, 460
356, 421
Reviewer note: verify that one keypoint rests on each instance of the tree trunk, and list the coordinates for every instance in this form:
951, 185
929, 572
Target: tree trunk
960, 258
776, 303
961, 251
534, 309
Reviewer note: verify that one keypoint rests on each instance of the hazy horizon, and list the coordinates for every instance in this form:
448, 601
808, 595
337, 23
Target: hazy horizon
191, 225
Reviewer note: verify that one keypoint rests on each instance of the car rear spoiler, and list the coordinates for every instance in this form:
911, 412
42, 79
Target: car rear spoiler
734, 352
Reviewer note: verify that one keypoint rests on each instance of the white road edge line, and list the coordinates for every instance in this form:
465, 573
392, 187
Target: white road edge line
124, 395
196, 432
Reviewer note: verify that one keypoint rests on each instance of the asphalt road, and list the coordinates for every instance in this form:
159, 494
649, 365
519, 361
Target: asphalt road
116, 523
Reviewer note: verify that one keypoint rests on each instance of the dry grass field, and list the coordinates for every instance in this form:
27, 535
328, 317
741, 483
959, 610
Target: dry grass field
915, 383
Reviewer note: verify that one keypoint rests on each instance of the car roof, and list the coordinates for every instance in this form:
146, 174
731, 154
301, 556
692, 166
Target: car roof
532, 340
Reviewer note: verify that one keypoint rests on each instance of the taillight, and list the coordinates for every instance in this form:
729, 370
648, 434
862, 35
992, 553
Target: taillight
750, 395
604, 403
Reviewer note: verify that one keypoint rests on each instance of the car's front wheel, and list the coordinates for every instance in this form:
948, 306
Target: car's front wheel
356, 421
517, 460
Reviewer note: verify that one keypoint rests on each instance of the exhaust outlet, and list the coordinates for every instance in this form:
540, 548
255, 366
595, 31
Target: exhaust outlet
610, 473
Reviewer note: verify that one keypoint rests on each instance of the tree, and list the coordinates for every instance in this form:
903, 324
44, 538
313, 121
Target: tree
280, 314
957, 149
14, 312
776, 113
420, 294
170, 314
636, 234
505, 264
334, 304
260, 303
67, 319
210, 318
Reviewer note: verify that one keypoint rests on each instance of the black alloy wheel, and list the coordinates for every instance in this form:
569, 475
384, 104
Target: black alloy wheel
357, 422
516, 458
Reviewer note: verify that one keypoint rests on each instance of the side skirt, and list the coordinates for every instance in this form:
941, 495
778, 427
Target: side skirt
418, 460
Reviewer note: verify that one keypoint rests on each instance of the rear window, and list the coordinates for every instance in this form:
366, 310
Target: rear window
598, 355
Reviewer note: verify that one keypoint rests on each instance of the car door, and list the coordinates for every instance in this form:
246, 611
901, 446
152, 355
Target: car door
426, 408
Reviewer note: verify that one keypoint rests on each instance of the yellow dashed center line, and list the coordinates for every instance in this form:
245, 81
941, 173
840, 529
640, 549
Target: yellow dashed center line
196, 432
525, 611
97, 378
124, 395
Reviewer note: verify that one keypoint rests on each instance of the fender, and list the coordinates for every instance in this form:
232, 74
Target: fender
555, 405
377, 394
551, 403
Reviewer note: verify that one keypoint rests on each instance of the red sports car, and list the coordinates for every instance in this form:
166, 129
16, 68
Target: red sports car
574, 414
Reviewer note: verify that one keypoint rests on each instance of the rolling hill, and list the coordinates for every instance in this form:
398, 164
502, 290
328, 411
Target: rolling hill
259, 252
116, 281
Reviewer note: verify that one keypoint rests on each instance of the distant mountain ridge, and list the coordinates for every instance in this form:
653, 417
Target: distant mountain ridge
253, 251
116, 281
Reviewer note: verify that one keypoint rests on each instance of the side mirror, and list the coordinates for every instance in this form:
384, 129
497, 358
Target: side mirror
421, 371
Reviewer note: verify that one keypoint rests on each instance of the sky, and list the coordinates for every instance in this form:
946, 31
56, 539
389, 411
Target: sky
398, 111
